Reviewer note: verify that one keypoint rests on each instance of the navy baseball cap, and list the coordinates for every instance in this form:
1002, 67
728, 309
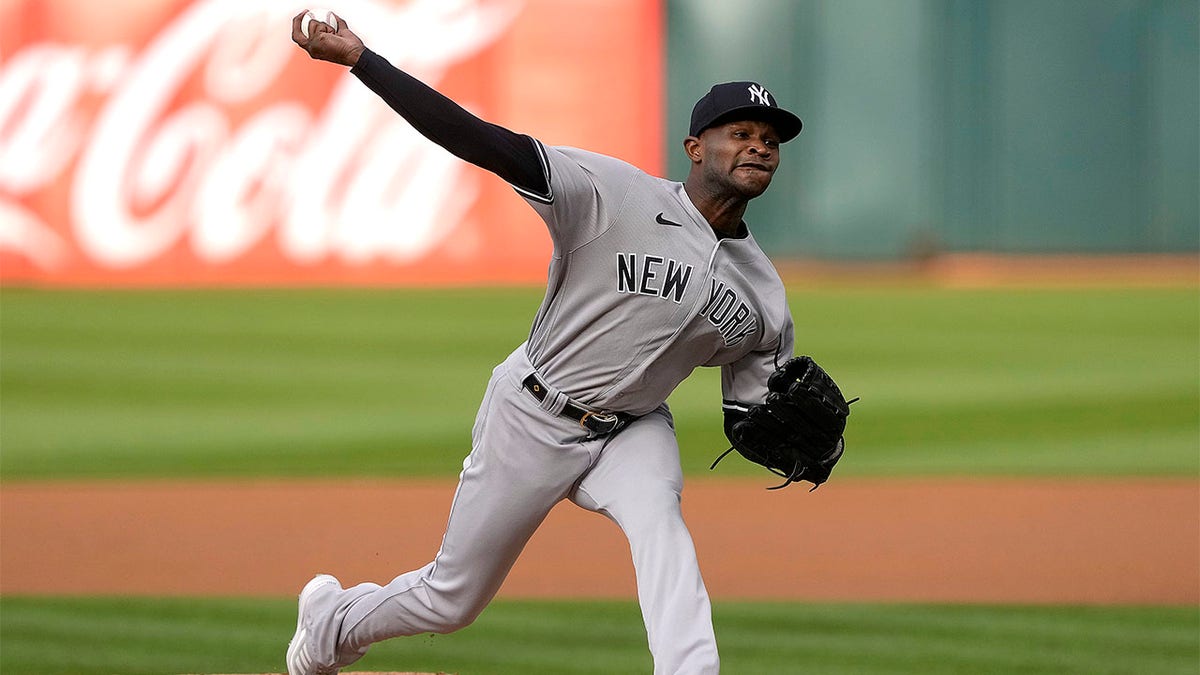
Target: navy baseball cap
742, 101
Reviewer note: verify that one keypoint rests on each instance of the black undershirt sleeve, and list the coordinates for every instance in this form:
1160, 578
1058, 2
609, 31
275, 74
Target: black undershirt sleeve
512, 156
732, 416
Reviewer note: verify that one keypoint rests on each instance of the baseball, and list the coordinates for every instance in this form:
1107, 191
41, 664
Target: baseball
309, 16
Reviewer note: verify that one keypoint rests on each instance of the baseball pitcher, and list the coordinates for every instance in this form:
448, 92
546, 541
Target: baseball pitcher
648, 280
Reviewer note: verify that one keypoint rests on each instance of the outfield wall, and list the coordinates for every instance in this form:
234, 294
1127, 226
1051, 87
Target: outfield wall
188, 142
1013, 126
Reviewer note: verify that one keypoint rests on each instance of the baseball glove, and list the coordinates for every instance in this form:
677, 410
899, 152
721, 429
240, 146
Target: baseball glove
797, 432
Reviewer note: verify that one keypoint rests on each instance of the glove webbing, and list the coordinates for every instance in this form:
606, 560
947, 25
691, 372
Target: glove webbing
796, 474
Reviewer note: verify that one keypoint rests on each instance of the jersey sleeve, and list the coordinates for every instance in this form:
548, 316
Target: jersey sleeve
586, 192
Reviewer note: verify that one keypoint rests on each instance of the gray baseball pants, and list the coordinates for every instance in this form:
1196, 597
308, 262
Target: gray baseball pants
526, 459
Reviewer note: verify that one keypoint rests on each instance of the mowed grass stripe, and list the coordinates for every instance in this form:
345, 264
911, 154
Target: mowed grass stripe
386, 381
198, 635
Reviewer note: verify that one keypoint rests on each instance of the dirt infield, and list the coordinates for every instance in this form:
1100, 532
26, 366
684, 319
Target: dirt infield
1126, 541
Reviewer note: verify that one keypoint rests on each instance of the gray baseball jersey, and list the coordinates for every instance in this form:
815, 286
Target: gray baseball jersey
641, 291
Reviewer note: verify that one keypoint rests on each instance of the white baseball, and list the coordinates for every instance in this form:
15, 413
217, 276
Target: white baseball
329, 18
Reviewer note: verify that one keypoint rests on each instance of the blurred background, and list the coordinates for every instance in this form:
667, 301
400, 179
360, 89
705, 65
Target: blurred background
192, 143
1014, 126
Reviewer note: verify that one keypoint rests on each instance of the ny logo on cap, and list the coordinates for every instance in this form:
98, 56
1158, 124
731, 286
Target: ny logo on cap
760, 95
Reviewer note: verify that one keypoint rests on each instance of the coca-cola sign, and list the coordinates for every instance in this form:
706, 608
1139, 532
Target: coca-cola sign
197, 144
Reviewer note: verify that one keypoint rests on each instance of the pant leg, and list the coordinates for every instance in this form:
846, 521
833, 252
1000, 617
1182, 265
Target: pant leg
637, 482
524, 460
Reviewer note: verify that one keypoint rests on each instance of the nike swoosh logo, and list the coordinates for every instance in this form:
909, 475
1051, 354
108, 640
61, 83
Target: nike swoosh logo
663, 221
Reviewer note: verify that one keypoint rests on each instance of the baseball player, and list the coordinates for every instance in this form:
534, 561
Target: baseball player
648, 280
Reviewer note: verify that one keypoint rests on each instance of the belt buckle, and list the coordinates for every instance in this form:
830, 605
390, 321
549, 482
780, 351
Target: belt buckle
598, 422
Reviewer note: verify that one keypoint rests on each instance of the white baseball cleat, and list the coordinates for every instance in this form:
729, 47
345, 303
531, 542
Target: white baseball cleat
300, 653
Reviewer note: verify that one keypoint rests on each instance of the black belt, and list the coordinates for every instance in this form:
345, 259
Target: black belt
599, 423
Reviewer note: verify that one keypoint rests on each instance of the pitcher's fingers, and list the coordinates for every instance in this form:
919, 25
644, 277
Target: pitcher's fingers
298, 35
317, 26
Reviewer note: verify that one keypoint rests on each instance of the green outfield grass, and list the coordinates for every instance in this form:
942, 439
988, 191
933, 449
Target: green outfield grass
386, 382
83, 636
128, 384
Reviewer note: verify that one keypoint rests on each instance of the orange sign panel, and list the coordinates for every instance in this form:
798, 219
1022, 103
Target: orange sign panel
158, 142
